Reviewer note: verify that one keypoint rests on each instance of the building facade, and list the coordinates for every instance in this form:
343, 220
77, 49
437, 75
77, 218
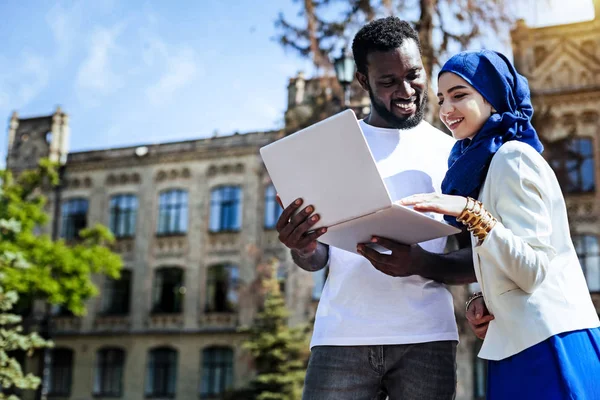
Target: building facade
195, 220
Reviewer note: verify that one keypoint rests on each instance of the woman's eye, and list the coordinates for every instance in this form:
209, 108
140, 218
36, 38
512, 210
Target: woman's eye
460, 96
440, 102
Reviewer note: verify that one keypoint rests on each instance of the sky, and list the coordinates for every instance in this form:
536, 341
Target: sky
138, 72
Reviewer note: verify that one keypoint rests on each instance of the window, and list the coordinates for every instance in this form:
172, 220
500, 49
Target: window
168, 291
222, 288
588, 251
319, 278
123, 211
74, 217
173, 212
217, 371
108, 378
479, 374
60, 372
116, 294
161, 375
225, 209
272, 209
573, 163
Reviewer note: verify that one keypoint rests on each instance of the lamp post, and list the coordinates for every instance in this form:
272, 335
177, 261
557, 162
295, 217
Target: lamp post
344, 71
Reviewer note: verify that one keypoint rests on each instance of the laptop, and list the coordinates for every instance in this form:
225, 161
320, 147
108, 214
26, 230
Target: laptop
329, 165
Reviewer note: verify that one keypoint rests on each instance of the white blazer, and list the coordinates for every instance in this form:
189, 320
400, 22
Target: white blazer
527, 266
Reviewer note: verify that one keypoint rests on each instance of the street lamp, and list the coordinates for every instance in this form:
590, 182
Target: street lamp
344, 71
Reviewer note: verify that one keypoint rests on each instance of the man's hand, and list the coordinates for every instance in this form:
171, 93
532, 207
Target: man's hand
479, 317
295, 230
399, 263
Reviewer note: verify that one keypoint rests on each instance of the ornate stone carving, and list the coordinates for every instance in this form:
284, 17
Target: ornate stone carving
170, 246
219, 320
112, 323
173, 174
123, 179
224, 169
165, 321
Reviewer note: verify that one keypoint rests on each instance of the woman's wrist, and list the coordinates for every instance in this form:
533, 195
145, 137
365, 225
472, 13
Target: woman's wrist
477, 219
472, 298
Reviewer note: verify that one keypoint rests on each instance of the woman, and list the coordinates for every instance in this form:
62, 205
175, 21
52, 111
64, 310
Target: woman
543, 341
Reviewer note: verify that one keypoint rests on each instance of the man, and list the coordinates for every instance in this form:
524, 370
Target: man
389, 329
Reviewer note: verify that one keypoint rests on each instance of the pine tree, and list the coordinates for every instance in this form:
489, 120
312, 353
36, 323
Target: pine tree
280, 352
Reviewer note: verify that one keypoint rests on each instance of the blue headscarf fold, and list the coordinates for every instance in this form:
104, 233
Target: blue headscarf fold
495, 78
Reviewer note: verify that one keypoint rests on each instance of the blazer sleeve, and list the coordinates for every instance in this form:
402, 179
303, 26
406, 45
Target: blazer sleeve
520, 243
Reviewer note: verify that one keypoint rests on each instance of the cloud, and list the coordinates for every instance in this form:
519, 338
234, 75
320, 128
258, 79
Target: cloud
96, 75
64, 24
24, 81
182, 68
35, 69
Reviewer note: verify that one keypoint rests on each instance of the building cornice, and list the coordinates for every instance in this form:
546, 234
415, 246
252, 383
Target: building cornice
204, 149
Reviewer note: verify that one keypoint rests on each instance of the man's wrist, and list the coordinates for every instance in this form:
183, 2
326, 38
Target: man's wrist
305, 255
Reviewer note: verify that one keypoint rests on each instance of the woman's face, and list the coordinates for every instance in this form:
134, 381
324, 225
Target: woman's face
462, 109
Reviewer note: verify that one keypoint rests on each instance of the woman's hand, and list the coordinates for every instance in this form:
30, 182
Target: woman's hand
479, 317
434, 202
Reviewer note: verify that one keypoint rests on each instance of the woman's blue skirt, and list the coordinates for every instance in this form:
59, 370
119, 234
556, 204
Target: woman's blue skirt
565, 366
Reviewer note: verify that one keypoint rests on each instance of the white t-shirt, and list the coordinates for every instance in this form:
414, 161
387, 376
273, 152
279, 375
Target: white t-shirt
362, 306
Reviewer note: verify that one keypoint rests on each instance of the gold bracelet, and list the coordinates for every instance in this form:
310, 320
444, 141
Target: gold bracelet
477, 219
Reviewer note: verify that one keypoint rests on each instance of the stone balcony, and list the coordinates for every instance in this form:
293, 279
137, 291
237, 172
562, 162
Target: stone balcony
112, 323
583, 208
219, 320
65, 324
165, 321
124, 247
170, 246
224, 242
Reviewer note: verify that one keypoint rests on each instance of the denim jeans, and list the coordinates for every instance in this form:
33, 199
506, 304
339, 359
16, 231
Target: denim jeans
422, 371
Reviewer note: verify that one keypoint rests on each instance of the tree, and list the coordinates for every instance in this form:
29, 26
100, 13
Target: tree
38, 267
280, 353
59, 272
443, 26
12, 340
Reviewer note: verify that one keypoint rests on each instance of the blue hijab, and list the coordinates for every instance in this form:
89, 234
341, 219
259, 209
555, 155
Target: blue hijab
494, 77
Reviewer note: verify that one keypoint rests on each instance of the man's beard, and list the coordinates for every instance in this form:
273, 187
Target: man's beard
395, 121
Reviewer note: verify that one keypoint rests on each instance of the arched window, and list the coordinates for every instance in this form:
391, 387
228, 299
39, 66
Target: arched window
108, 376
588, 251
161, 373
172, 212
222, 286
217, 371
60, 373
74, 217
225, 209
168, 290
573, 163
123, 212
272, 209
116, 294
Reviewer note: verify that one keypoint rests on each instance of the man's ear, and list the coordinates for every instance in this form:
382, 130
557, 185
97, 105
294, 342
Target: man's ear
363, 80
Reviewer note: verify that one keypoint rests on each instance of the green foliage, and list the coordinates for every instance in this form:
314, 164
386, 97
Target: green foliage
13, 340
41, 267
280, 352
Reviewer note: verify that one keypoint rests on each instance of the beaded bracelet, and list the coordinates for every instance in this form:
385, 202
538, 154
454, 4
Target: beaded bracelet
477, 219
